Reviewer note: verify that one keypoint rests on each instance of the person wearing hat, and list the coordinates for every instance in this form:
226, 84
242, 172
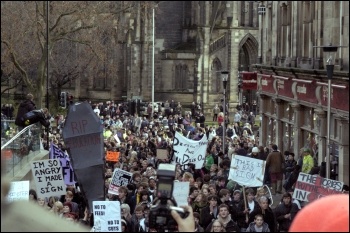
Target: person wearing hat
255, 153
308, 161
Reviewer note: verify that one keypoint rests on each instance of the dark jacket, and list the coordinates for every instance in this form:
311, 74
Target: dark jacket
275, 162
33, 117
24, 107
231, 226
206, 217
237, 208
269, 217
251, 227
281, 210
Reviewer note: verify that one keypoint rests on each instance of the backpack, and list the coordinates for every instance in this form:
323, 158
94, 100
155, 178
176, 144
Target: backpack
229, 132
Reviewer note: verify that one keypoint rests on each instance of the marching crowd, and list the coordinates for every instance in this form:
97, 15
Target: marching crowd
218, 204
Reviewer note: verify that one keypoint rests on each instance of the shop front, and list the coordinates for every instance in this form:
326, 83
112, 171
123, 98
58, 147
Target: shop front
294, 116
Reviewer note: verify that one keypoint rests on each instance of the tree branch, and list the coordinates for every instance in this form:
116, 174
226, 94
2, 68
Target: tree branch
17, 65
87, 43
59, 19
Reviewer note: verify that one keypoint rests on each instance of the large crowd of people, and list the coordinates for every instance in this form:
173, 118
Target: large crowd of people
218, 204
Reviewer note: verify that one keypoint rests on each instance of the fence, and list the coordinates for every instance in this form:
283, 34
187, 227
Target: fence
17, 150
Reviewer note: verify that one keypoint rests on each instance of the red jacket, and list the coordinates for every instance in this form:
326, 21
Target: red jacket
220, 119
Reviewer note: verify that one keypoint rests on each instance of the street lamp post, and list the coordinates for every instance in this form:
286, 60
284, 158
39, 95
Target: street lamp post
224, 76
329, 68
153, 37
240, 85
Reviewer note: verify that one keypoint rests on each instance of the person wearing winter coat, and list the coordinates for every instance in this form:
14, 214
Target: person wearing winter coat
258, 225
34, 116
265, 210
275, 164
26, 106
225, 218
285, 212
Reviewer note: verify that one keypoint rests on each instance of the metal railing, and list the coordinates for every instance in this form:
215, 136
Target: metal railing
19, 149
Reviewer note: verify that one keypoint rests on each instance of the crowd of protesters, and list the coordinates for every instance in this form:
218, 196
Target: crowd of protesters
218, 203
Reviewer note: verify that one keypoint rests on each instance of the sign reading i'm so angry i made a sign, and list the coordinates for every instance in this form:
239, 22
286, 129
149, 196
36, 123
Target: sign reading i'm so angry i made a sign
48, 178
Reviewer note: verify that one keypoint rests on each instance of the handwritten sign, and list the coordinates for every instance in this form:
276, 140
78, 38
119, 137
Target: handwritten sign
311, 187
48, 178
112, 156
180, 192
119, 178
189, 151
107, 217
67, 169
247, 171
162, 154
19, 190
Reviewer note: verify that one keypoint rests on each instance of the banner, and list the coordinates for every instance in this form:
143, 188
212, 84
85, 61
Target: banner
180, 192
189, 151
249, 80
67, 169
311, 187
112, 156
19, 190
107, 217
48, 178
119, 178
247, 171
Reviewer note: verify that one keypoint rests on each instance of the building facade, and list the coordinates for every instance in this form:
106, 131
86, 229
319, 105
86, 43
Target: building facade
193, 42
293, 83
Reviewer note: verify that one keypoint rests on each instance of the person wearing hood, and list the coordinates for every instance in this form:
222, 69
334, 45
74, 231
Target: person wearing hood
258, 225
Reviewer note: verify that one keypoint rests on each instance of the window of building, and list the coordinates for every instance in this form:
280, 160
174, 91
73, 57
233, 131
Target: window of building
181, 77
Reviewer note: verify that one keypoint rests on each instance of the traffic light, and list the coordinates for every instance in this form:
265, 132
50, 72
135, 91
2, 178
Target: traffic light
69, 98
63, 99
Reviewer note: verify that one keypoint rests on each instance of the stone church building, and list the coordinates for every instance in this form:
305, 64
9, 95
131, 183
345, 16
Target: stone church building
193, 42
275, 42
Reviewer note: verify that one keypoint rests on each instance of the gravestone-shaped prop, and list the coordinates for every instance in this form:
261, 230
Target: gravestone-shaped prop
83, 135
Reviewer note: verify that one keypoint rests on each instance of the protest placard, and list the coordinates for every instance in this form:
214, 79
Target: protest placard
19, 190
107, 217
162, 153
48, 178
67, 169
119, 178
180, 192
189, 151
112, 156
247, 171
311, 187
117, 138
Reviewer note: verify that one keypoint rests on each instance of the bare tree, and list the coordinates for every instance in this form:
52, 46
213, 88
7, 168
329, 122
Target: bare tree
27, 41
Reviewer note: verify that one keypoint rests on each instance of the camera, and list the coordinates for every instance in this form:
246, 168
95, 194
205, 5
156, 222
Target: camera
160, 217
